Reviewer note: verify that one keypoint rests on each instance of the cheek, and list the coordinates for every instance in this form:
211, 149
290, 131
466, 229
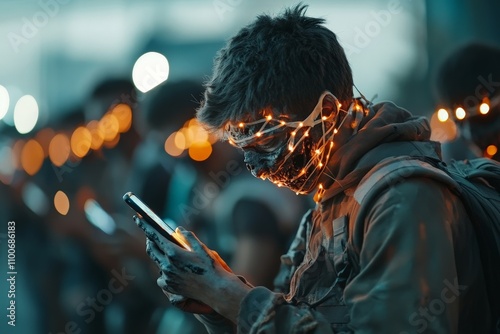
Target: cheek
258, 162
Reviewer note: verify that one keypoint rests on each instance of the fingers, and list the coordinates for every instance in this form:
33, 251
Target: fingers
192, 239
165, 245
150, 232
223, 263
170, 283
169, 263
155, 253
162, 283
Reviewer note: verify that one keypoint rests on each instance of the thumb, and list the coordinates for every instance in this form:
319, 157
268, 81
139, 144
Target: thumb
223, 263
191, 239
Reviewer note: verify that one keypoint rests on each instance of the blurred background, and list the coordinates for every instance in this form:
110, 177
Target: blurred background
98, 97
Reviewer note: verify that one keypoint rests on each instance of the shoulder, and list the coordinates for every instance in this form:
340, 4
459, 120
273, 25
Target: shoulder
405, 194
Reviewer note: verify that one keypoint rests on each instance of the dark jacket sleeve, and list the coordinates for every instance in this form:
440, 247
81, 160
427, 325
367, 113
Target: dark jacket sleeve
407, 281
216, 324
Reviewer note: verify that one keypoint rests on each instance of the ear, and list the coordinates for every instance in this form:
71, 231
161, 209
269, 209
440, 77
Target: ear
329, 106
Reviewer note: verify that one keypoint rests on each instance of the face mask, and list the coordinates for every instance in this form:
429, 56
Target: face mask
291, 154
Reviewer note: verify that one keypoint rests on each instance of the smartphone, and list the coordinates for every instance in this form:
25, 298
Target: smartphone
153, 220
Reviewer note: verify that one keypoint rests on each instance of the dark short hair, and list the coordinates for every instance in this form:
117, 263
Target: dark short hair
471, 73
284, 62
459, 74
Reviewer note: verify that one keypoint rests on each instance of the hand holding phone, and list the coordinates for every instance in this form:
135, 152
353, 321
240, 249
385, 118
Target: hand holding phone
154, 221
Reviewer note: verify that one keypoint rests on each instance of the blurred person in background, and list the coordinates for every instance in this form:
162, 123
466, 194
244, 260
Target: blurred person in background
255, 224
282, 91
116, 246
175, 187
165, 182
467, 78
91, 244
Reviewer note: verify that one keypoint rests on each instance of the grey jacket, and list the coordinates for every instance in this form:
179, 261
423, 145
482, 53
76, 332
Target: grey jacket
405, 262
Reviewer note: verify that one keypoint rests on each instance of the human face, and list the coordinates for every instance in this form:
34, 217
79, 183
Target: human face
289, 153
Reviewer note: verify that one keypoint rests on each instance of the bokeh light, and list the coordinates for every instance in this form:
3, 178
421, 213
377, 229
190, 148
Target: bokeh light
109, 126
32, 157
35, 199
192, 137
170, 146
200, 151
84, 193
43, 137
112, 143
198, 133
81, 139
4, 101
123, 114
484, 108
442, 115
150, 70
61, 202
25, 114
460, 113
96, 134
442, 131
59, 149
180, 140
491, 150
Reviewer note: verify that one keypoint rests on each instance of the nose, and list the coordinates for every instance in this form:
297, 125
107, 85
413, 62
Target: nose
255, 165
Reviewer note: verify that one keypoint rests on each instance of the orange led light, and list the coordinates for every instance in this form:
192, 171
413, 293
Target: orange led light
491, 150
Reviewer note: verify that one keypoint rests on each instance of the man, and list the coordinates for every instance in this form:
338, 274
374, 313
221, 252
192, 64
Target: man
405, 261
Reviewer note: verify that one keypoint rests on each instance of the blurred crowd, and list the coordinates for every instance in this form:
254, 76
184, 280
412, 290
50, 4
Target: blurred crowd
81, 260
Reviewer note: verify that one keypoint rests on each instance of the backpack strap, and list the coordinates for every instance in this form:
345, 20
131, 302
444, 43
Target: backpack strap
475, 182
392, 171
385, 174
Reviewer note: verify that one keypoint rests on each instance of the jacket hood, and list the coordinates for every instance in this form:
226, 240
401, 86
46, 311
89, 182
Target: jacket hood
387, 131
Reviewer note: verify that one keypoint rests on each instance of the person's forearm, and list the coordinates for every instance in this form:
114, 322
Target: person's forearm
226, 296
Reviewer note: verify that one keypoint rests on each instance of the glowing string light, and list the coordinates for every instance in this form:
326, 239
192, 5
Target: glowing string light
268, 125
460, 113
484, 108
442, 115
